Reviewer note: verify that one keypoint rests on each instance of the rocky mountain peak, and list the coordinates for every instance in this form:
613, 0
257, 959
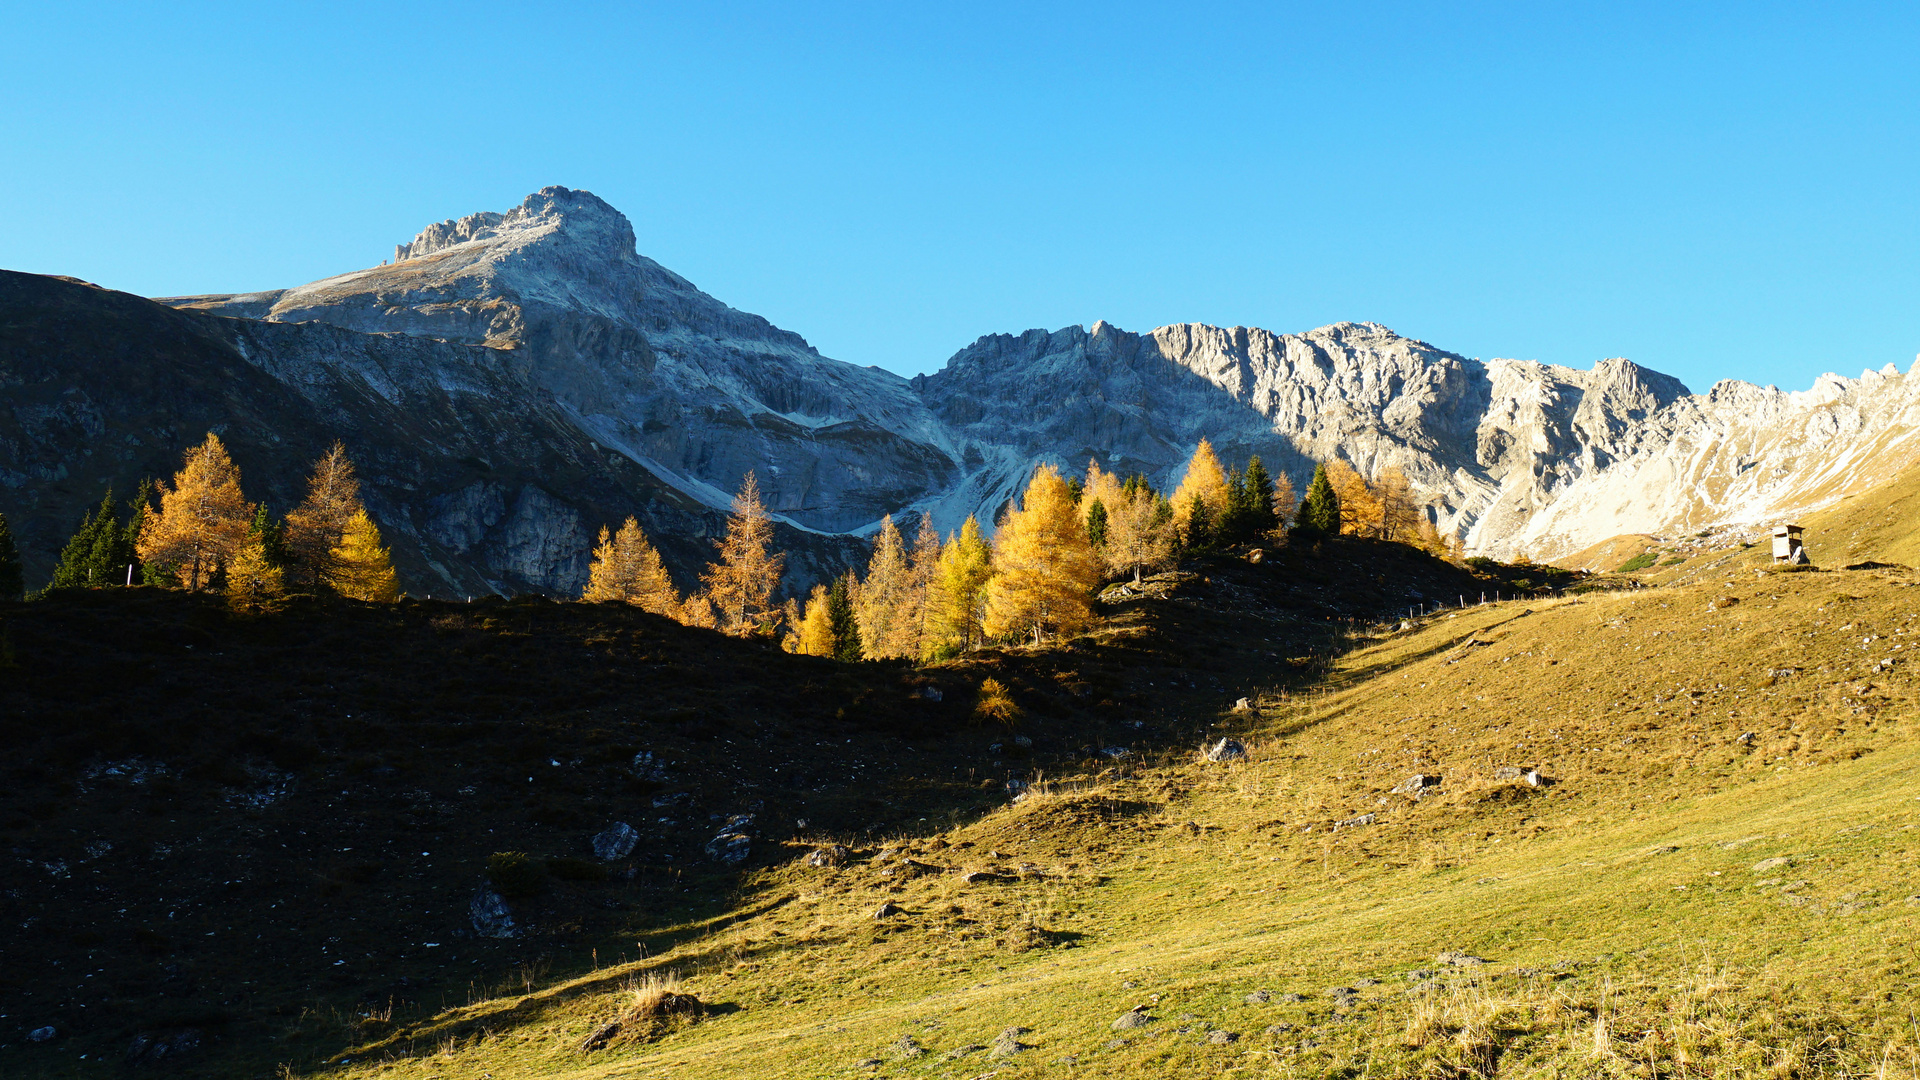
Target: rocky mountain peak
580, 218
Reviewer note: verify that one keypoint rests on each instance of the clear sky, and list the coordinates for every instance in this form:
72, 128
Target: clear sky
1717, 191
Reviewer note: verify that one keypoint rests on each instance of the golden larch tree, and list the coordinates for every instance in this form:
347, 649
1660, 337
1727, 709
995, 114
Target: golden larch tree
203, 517
957, 592
364, 569
316, 526
887, 627
1285, 501
741, 583
1137, 540
627, 569
252, 578
1359, 508
925, 562
1043, 564
815, 634
1400, 516
1205, 480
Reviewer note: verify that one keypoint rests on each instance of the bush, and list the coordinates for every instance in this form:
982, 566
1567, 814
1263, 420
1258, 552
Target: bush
1638, 562
1483, 564
515, 874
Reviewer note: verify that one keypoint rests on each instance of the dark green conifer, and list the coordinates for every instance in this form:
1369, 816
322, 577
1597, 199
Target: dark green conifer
11, 583
1097, 523
77, 568
1320, 511
1258, 489
272, 534
842, 624
1202, 529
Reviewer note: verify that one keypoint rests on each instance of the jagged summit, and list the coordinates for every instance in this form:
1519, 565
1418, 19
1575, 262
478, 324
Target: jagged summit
550, 210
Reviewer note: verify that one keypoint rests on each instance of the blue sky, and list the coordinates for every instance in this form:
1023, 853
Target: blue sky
1715, 191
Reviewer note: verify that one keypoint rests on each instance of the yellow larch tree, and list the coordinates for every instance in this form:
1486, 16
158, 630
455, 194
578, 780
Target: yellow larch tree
1137, 540
1285, 501
1205, 480
957, 591
881, 608
740, 585
627, 569
814, 637
1044, 566
364, 569
1400, 516
924, 560
1359, 508
203, 518
252, 578
315, 527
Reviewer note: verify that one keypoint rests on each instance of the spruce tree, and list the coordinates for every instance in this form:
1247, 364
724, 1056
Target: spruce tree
12, 586
75, 570
1097, 523
1202, 528
1258, 488
271, 534
1320, 512
841, 624
1236, 516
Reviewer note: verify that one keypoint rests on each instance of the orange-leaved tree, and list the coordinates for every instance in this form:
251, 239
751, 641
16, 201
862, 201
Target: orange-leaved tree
1043, 563
627, 569
1138, 538
203, 518
316, 527
1205, 483
740, 585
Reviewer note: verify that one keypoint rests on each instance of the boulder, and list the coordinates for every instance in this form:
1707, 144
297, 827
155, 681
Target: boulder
905, 1049
1007, 1043
1136, 1017
887, 910
492, 918
1226, 750
734, 842
1222, 1038
832, 855
1356, 822
158, 1047
1458, 959
601, 1036
1415, 784
615, 842
1259, 997
42, 1034
1243, 705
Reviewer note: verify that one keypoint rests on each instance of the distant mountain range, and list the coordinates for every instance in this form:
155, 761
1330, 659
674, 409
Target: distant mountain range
511, 381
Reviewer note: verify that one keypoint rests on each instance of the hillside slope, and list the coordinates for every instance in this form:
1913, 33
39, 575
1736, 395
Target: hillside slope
1716, 874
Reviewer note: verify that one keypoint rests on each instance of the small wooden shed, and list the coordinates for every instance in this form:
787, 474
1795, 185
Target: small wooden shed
1787, 547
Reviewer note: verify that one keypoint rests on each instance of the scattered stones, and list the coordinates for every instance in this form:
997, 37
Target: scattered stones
1008, 1043
646, 767
986, 877
1278, 1029
1259, 997
1113, 1044
1366, 982
1222, 1038
1419, 974
868, 1063
887, 910
615, 842
959, 1052
1226, 750
1509, 772
732, 845
1458, 959
1415, 784
154, 1048
492, 918
1023, 742
42, 1034
1293, 999
931, 693
1136, 1017
905, 1049
1356, 822
1115, 752
1774, 863
601, 1036
832, 855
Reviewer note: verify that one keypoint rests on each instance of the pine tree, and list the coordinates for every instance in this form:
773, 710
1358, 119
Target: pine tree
1139, 537
1097, 524
1044, 568
272, 536
1205, 483
627, 569
77, 568
1259, 493
315, 527
364, 569
741, 584
843, 629
1201, 530
203, 517
1235, 520
12, 584
958, 590
882, 604
1320, 512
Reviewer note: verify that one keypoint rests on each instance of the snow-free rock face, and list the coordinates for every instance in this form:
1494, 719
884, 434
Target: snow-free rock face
549, 309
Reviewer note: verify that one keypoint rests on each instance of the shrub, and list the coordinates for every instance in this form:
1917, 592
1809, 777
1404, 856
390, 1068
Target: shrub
1638, 562
515, 874
996, 706
1483, 564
